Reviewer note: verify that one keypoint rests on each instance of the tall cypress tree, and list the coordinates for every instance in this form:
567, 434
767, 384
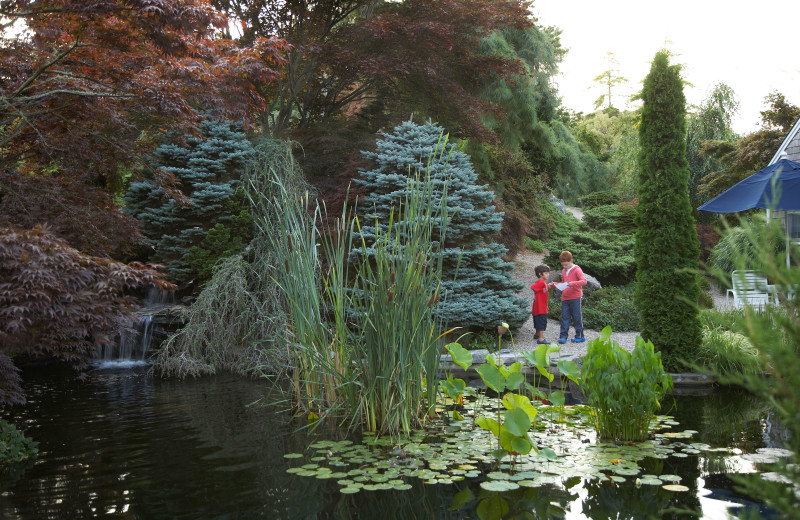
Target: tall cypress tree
207, 169
666, 248
477, 287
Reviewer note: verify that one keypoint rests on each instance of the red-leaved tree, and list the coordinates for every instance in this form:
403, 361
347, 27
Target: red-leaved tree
89, 86
59, 303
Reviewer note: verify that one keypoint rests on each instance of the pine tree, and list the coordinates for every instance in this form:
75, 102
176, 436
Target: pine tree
666, 248
207, 170
478, 290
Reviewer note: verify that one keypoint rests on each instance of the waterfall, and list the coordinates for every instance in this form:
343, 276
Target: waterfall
135, 341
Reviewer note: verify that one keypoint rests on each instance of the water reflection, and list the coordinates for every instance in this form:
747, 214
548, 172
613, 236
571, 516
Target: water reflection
126, 445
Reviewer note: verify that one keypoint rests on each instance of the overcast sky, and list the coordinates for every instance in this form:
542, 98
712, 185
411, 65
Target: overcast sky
753, 47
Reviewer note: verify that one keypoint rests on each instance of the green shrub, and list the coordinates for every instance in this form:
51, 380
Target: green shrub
727, 320
599, 198
14, 446
611, 307
556, 223
534, 245
737, 245
728, 353
616, 218
606, 256
624, 387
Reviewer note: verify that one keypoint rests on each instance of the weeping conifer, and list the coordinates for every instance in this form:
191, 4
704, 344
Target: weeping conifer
478, 289
666, 247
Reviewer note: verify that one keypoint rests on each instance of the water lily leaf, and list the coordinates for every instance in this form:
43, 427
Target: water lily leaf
675, 487
650, 481
294, 470
461, 356
487, 423
349, 490
557, 398
548, 454
402, 487
498, 475
569, 369
492, 377
492, 508
514, 379
670, 478
499, 485
292, 456
515, 401
517, 422
515, 444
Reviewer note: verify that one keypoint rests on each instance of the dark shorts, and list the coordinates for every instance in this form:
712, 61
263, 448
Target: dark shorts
540, 321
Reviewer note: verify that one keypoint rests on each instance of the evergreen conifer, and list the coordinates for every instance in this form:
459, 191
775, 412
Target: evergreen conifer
207, 169
477, 287
666, 247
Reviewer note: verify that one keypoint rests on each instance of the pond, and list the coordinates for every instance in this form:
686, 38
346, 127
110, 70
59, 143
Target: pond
124, 444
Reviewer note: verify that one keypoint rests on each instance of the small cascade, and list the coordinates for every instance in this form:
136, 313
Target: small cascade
134, 342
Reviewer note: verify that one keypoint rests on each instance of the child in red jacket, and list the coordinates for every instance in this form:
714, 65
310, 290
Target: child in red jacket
541, 294
572, 282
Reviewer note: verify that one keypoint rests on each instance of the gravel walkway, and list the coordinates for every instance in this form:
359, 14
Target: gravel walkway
524, 338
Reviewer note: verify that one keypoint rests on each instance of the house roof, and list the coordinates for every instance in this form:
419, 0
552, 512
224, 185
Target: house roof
790, 145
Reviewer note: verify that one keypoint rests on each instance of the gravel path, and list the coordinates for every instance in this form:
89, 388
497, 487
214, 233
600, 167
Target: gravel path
524, 338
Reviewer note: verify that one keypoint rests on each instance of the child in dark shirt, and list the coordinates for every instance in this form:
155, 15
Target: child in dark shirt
539, 310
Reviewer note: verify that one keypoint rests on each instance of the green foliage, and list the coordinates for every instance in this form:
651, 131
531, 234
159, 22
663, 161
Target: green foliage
727, 353
611, 306
362, 337
625, 388
533, 245
736, 245
477, 287
207, 170
233, 323
223, 240
711, 121
666, 247
557, 223
14, 446
600, 198
616, 218
775, 335
740, 158
606, 256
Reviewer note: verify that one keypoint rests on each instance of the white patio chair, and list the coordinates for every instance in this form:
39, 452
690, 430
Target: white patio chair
750, 289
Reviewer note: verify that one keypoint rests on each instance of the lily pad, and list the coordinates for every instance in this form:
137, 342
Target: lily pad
675, 487
499, 485
293, 456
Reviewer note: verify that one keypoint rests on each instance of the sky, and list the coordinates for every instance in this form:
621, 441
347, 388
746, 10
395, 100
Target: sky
750, 46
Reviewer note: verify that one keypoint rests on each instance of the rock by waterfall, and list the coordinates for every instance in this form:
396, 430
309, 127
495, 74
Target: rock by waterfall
159, 313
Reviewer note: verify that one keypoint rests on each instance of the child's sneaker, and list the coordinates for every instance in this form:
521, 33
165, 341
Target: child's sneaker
562, 340
579, 340
542, 342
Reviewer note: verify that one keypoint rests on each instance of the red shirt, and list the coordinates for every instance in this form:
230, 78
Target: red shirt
577, 281
540, 303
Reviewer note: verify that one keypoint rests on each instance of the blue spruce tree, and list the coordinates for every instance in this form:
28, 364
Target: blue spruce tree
477, 287
207, 170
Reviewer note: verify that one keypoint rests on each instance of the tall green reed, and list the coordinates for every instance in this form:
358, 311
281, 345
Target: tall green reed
362, 337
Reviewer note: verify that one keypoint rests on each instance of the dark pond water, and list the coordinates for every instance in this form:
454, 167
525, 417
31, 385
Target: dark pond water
123, 444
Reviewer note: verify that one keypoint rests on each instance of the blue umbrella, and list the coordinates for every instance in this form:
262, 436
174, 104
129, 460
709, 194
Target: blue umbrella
756, 191
776, 187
